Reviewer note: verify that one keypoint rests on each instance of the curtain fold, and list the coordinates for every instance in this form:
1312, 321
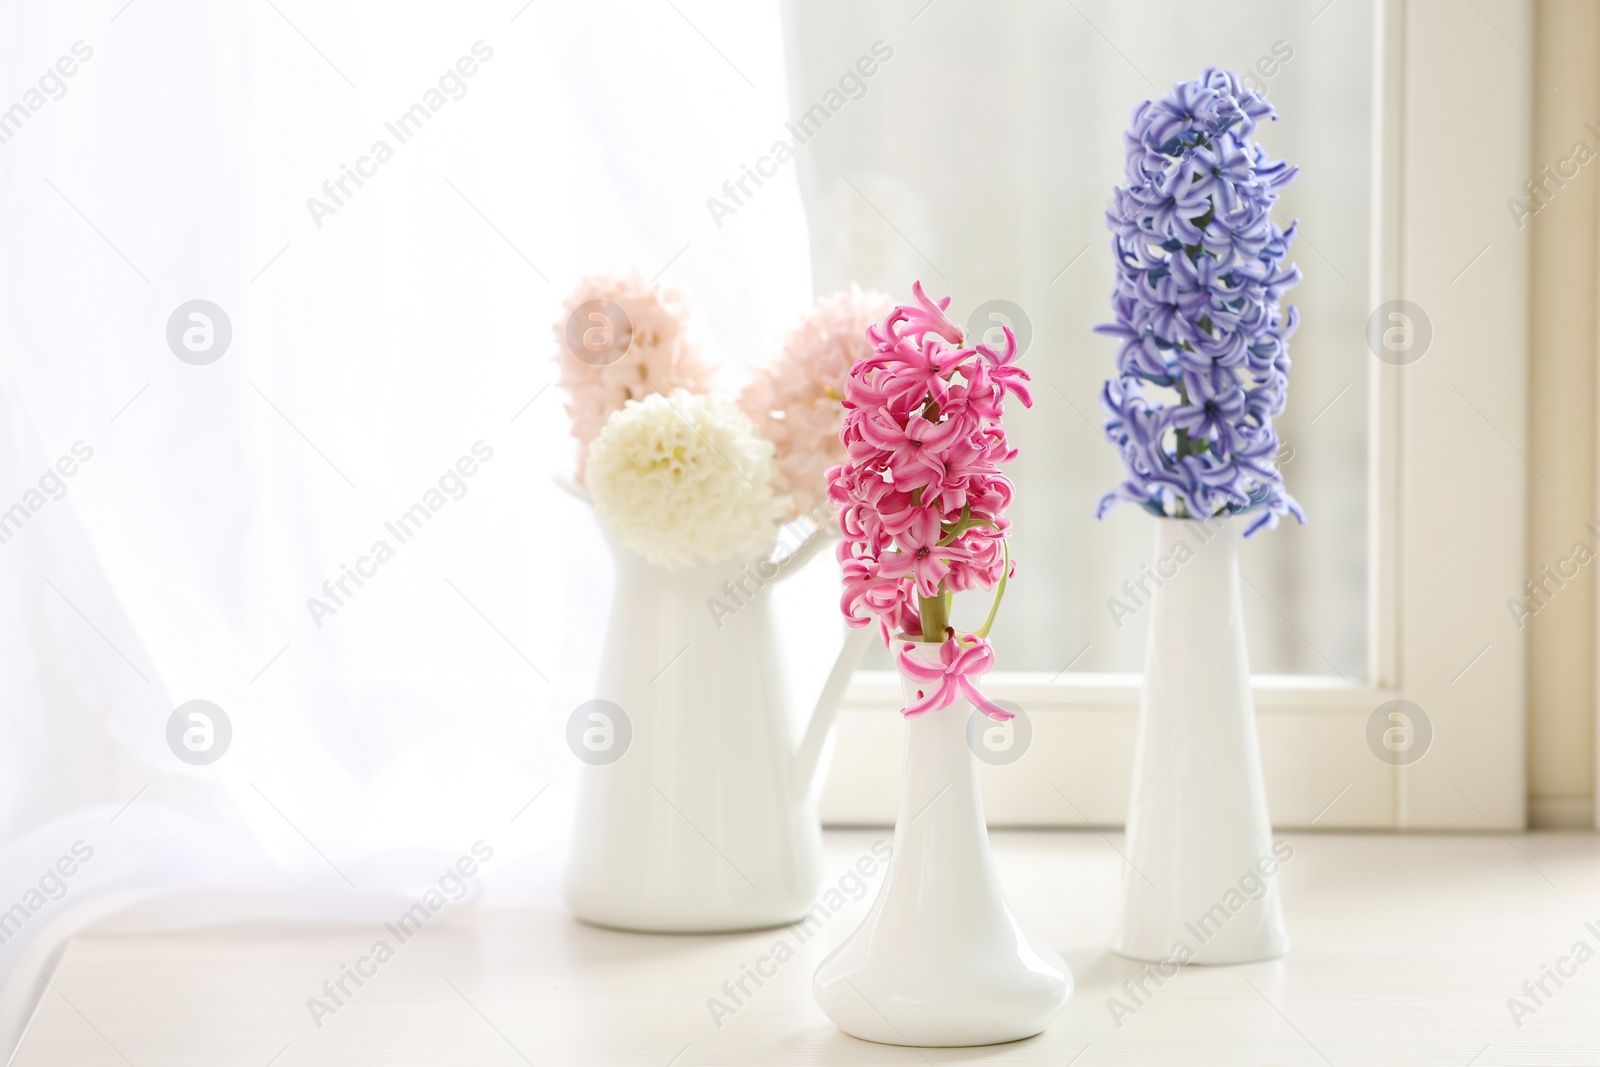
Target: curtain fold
382, 331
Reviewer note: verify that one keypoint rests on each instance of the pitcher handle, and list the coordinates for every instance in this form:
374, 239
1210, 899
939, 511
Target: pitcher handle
809, 757
572, 488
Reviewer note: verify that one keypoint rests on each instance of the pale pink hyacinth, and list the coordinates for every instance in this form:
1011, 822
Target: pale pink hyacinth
663, 353
795, 401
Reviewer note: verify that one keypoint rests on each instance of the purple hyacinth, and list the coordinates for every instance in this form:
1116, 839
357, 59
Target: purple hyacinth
1201, 268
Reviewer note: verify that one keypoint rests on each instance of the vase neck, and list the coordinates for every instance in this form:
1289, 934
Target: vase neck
939, 791
1195, 533
943, 875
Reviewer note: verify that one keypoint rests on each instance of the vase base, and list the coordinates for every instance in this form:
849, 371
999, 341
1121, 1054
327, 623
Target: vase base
1008, 993
1205, 955
684, 917
687, 927
885, 1036
941, 1024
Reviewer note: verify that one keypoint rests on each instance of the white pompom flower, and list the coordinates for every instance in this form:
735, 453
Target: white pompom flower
685, 480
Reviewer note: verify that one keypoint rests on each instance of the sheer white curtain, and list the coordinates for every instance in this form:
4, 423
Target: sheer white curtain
401, 326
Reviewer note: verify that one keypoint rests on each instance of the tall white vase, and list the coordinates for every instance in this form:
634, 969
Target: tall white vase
1201, 885
940, 960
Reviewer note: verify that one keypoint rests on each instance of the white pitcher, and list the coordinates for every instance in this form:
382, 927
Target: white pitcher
707, 819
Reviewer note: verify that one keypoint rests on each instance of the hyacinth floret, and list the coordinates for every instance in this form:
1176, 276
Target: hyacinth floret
1201, 270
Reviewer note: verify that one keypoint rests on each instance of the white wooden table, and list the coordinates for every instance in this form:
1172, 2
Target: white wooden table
1406, 950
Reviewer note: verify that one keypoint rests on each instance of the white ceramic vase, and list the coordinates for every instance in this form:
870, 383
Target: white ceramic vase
940, 960
704, 817
1201, 885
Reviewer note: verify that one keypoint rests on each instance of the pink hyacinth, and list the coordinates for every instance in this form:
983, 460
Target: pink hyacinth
960, 661
921, 496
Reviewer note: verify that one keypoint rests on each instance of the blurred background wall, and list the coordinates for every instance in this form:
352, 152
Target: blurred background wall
988, 179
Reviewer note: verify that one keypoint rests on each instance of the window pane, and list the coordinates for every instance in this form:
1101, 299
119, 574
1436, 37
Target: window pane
980, 157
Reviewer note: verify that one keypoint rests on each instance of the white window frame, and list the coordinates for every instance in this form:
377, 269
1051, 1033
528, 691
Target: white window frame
1453, 107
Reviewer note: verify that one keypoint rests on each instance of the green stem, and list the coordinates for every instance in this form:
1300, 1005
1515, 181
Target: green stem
962, 525
935, 614
999, 593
